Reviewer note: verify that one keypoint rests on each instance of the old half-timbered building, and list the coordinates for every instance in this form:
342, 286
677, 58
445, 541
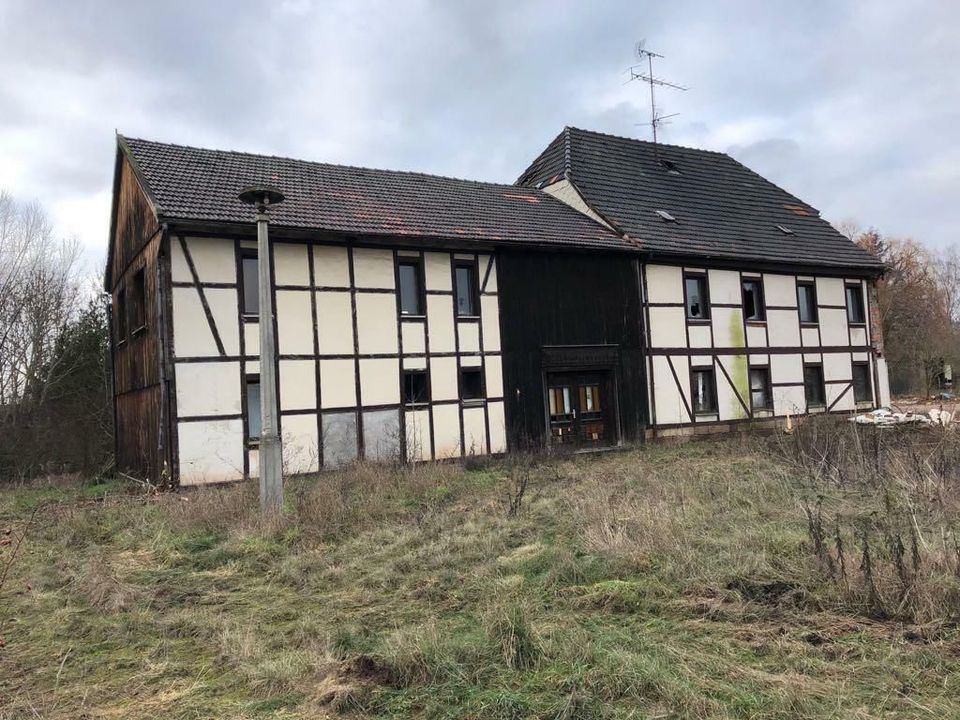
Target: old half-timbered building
618, 291
753, 306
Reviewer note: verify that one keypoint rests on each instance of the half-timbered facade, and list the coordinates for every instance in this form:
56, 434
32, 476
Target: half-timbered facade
617, 291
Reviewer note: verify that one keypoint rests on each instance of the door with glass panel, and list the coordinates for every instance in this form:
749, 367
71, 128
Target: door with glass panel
579, 409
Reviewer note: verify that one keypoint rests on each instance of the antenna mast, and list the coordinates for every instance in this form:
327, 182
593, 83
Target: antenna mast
648, 77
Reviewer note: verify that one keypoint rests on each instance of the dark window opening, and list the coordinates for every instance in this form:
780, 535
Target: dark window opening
807, 302
704, 391
761, 398
416, 390
121, 311
670, 166
251, 285
471, 384
411, 288
698, 302
253, 407
861, 382
466, 289
813, 387
855, 311
753, 308
139, 301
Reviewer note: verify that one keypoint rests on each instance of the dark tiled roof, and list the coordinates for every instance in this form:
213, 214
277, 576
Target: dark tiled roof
201, 185
722, 208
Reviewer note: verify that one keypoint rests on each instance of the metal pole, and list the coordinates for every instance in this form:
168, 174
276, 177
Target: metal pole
271, 450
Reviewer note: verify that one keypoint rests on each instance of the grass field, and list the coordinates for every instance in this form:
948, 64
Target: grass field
809, 577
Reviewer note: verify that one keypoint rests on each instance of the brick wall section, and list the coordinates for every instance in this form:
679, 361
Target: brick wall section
876, 327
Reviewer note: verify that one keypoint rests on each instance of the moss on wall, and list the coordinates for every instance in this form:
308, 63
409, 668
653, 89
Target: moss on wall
739, 372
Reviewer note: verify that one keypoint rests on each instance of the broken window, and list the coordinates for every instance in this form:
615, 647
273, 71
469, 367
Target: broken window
139, 301
855, 310
861, 382
471, 383
704, 391
415, 387
589, 398
760, 396
121, 311
411, 301
698, 302
807, 302
753, 308
251, 285
466, 289
813, 388
253, 407
561, 407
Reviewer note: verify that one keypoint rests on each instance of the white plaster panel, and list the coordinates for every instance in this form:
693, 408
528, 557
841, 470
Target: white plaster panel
251, 339
415, 363
810, 337
494, 376
884, 393
413, 337
443, 378
490, 321
789, 400
294, 322
474, 431
786, 368
830, 291
252, 367
298, 385
191, 331
380, 382
837, 366
783, 327
337, 384
335, 323
223, 306
446, 430
724, 286
254, 463
756, 336
417, 425
861, 357
208, 388
727, 327
468, 334
700, 336
498, 427
813, 357
833, 327
214, 259
470, 361
210, 451
727, 403
440, 323
668, 327
179, 270
845, 401
331, 266
377, 322
290, 264
664, 284
858, 336
300, 447
436, 271
491, 262
780, 290
668, 397
373, 268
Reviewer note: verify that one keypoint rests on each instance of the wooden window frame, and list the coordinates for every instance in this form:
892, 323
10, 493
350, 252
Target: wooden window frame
823, 386
483, 384
761, 301
417, 262
863, 305
471, 265
767, 388
816, 303
853, 384
139, 324
246, 254
703, 277
403, 388
121, 320
715, 402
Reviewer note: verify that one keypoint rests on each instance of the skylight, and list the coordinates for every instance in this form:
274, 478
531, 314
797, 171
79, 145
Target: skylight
665, 216
785, 230
671, 167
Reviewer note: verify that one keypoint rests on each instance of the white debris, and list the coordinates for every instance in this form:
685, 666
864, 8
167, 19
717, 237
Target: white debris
885, 417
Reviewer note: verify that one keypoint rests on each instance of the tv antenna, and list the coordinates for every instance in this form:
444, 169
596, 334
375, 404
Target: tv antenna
637, 73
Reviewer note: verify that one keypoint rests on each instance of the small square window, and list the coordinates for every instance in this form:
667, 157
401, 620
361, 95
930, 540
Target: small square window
465, 274
704, 391
807, 302
855, 310
753, 308
251, 285
861, 382
471, 383
416, 390
760, 395
253, 407
411, 287
697, 298
813, 388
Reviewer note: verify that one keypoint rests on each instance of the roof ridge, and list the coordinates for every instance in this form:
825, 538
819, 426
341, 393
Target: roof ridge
644, 142
245, 153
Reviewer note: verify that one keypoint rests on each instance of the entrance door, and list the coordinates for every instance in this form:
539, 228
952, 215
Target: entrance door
579, 408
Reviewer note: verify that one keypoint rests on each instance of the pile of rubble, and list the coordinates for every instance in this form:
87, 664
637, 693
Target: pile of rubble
886, 416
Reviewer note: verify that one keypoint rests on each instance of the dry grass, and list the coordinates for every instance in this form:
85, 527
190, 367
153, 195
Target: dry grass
694, 581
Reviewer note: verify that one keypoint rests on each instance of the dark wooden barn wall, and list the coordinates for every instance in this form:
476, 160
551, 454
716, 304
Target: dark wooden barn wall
136, 359
567, 299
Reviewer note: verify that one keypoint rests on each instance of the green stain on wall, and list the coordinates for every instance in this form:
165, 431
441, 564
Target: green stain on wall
739, 370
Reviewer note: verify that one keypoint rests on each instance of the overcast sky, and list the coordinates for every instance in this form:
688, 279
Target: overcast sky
853, 106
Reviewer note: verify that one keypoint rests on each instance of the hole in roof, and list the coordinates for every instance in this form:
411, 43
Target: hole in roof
665, 216
671, 167
784, 229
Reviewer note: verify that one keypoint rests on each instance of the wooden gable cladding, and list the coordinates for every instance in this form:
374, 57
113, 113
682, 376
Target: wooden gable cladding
134, 221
